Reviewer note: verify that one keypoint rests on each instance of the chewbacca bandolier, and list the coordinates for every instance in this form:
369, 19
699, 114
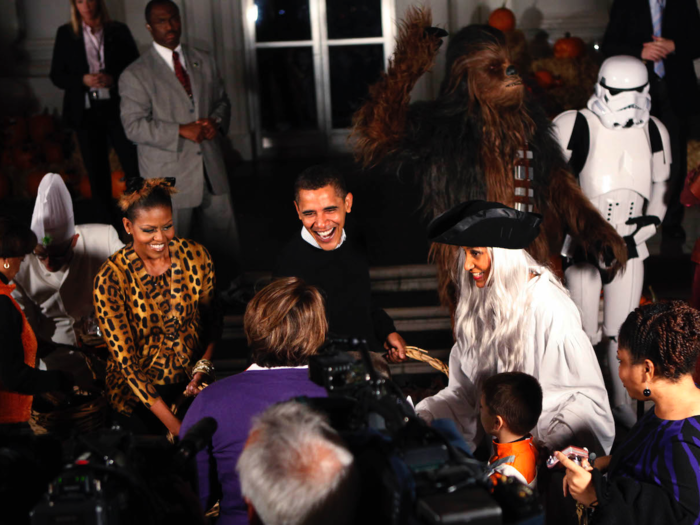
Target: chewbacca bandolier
480, 139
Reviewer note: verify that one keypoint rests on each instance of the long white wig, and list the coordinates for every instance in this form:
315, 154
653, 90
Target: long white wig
494, 321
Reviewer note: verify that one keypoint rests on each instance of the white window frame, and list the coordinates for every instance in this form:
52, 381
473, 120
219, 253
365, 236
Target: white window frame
326, 139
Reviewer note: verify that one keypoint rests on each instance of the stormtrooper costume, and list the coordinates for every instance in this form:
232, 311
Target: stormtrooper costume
622, 157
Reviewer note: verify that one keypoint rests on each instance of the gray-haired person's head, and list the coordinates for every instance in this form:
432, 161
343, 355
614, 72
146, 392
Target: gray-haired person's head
296, 470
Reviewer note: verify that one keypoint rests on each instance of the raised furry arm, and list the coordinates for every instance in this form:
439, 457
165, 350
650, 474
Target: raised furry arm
380, 124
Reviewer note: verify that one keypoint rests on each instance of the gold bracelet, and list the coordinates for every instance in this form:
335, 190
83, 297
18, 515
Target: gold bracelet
205, 366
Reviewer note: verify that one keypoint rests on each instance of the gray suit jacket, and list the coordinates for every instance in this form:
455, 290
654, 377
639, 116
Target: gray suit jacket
154, 104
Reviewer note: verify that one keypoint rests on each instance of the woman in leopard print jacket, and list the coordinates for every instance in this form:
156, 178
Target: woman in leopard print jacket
155, 304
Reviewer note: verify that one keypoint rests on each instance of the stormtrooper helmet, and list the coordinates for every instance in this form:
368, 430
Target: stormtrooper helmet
621, 99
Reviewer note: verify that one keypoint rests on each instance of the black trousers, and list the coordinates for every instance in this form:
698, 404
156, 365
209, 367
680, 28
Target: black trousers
677, 126
100, 127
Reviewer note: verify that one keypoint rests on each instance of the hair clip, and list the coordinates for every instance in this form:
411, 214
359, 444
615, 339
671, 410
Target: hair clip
134, 184
138, 188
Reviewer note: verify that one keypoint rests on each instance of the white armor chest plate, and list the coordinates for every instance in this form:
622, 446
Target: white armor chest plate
617, 160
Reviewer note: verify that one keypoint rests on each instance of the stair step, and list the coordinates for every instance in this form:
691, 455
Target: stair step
423, 326
404, 278
411, 319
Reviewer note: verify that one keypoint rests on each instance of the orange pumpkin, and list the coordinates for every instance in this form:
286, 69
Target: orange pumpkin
40, 126
33, 181
84, 187
25, 156
15, 129
649, 298
118, 184
503, 19
544, 78
53, 152
569, 47
70, 177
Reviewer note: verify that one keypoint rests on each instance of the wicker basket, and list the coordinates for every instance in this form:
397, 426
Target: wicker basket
422, 355
87, 417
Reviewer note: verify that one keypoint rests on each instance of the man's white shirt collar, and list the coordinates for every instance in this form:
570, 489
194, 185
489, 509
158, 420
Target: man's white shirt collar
313, 242
167, 55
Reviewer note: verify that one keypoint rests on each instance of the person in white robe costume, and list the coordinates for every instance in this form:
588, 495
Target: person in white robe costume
514, 315
54, 285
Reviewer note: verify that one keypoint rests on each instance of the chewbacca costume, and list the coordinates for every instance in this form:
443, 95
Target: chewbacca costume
468, 143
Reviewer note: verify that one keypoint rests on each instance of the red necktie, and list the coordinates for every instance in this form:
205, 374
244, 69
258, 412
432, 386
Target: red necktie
181, 74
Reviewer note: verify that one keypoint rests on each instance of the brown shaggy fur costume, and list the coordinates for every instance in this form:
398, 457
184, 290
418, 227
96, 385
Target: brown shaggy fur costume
464, 144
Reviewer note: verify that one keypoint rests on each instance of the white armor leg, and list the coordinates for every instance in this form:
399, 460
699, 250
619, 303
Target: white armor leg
584, 284
622, 296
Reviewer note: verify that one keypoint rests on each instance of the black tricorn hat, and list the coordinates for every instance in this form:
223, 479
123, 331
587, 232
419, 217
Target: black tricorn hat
488, 224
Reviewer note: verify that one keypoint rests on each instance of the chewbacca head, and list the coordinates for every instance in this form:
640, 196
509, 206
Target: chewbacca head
479, 69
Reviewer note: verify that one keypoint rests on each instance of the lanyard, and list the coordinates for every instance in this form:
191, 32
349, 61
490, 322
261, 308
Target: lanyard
96, 44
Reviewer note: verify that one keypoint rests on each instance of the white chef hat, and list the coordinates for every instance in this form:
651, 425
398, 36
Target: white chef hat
52, 220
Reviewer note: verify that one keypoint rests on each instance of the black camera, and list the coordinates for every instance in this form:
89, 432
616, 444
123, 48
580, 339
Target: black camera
117, 478
412, 473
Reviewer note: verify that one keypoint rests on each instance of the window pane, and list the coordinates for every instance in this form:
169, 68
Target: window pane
354, 18
282, 20
353, 70
287, 89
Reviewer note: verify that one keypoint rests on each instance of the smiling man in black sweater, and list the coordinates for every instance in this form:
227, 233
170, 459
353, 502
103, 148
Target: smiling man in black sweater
328, 257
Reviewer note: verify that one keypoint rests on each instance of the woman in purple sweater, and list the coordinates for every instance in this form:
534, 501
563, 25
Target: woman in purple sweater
285, 324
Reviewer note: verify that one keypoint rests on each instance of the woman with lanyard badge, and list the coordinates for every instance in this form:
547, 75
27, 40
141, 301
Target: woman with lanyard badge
89, 55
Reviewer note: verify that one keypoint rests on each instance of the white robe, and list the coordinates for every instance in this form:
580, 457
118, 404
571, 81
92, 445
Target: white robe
575, 407
54, 301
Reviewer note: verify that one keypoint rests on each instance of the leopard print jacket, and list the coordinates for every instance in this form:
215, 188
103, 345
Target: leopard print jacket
156, 328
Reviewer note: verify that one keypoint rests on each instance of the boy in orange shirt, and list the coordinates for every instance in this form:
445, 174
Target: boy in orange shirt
511, 404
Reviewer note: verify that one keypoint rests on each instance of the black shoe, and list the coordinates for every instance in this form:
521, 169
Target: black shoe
673, 232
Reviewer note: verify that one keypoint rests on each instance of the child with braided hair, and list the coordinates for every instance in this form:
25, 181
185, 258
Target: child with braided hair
154, 301
654, 475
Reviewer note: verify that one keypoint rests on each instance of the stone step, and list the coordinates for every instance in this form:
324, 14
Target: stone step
421, 325
404, 278
412, 319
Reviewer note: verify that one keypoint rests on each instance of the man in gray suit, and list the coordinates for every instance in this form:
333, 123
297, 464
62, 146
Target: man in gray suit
174, 107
